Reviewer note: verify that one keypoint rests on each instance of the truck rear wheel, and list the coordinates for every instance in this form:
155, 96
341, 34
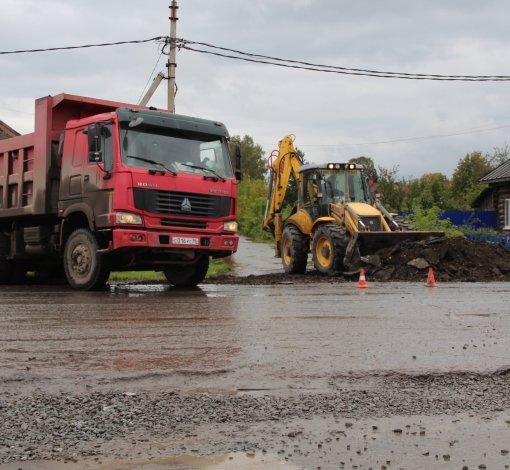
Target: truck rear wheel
5, 264
85, 268
187, 275
295, 247
328, 248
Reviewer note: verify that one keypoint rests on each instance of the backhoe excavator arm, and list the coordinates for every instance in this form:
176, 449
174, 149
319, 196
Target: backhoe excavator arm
285, 163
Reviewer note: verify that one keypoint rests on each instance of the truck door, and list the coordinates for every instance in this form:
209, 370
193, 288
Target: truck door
74, 154
82, 180
93, 191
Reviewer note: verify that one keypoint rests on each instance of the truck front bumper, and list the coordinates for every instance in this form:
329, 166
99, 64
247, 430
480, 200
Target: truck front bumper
126, 238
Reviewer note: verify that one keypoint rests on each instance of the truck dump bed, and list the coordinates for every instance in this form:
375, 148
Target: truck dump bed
30, 165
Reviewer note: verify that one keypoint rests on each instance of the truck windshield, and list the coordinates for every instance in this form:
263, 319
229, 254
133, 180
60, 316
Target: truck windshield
183, 152
334, 182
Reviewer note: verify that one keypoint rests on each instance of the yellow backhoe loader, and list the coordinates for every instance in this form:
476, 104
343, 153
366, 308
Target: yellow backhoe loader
336, 217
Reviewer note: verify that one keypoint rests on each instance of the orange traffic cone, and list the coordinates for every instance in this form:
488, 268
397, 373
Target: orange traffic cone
431, 282
362, 284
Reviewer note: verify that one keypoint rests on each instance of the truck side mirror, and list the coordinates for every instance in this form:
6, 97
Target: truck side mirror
94, 135
238, 161
374, 177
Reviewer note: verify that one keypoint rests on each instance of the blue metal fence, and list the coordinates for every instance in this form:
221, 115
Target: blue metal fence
493, 240
475, 219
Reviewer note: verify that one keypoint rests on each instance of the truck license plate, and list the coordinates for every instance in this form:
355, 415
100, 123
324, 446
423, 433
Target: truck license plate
184, 241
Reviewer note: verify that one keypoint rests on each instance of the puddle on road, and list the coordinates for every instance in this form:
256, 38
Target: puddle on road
233, 461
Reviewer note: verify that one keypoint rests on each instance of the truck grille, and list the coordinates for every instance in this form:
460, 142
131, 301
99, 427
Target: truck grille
182, 223
181, 203
372, 223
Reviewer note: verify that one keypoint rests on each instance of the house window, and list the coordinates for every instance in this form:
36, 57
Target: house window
507, 214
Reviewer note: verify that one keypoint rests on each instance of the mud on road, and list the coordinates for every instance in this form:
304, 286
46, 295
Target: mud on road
452, 259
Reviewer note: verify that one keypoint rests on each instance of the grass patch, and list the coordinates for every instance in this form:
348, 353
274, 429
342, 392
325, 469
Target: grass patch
217, 267
137, 276
221, 266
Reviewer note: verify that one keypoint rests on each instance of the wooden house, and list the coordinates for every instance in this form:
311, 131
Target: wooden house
497, 196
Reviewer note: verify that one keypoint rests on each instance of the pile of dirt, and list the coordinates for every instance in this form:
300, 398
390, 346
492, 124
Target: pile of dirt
452, 259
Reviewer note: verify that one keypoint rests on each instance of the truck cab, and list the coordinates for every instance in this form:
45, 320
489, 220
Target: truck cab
130, 188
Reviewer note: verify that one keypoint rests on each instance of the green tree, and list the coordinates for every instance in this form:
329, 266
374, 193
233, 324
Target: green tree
367, 162
428, 220
464, 185
431, 189
393, 190
500, 155
254, 164
251, 206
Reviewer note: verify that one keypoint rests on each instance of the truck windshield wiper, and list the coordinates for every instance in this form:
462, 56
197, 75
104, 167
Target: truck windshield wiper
206, 169
153, 162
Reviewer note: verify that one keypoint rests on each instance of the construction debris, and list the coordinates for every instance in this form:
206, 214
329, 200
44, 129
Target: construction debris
452, 260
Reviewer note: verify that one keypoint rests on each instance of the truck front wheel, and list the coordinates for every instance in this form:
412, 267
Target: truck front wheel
187, 275
85, 268
5, 264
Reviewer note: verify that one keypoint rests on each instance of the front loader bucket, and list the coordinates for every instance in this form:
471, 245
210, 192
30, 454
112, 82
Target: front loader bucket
370, 242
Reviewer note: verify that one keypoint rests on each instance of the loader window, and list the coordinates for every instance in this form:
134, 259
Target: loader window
335, 184
307, 198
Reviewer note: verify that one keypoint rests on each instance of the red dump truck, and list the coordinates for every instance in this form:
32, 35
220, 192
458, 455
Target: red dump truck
101, 186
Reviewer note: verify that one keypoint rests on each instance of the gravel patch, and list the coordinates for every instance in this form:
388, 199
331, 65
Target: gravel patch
69, 427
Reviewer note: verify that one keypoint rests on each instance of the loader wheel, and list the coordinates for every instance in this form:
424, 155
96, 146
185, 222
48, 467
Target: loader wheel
5, 264
187, 275
85, 268
328, 248
295, 247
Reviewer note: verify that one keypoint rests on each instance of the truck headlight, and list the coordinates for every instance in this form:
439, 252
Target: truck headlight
127, 218
230, 226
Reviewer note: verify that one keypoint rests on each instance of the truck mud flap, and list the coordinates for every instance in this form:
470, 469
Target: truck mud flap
370, 242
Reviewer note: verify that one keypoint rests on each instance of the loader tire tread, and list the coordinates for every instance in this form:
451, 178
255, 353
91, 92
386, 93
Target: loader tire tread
339, 239
404, 225
300, 246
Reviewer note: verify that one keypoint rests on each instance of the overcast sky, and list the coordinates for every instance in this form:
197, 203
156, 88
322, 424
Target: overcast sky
327, 112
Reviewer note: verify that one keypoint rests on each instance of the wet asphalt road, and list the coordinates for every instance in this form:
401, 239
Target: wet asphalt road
277, 338
284, 341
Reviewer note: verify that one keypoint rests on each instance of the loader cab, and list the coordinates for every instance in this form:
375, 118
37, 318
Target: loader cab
331, 183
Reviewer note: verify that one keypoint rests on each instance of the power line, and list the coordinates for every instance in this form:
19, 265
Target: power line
16, 111
262, 59
367, 144
288, 63
83, 47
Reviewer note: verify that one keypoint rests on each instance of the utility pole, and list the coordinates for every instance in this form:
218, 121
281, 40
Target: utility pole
159, 77
171, 62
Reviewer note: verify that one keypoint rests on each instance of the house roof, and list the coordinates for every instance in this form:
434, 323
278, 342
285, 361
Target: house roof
7, 132
500, 173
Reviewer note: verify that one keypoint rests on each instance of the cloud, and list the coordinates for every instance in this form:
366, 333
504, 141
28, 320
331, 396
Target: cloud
267, 102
